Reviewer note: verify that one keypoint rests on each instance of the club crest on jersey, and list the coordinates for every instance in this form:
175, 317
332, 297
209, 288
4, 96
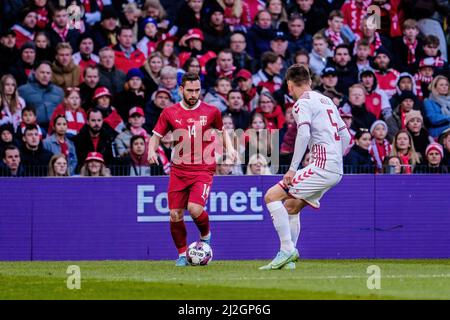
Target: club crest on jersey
203, 120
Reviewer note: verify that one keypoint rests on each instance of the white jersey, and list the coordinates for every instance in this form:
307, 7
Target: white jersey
320, 113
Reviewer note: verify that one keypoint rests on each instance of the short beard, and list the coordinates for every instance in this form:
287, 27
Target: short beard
188, 103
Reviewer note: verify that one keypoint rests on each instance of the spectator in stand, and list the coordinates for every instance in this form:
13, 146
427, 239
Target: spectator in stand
60, 31
95, 136
255, 6
71, 109
379, 147
260, 34
94, 166
393, 165
328, 80
434, 155
147, 44
273, 114
33, 155
287, 141
132, 95
444, 139
11, 104
44, 50
257, 139
136, 121
403, 147
169, 81
236, 110
29, 118
110, 76
218, 96
356, 106
217, 33
297, 36
154, 9
437, 106
152, 72
191, 17
409, 48
386, 76
358, 159
346, 70
372, 37
26, 29
279, 15
103, 101
248, 90
58, 142
354, 12
85, 56
424, 77
104, 33
335, 33
397, 120
391, 14
42, 9
319, 54
127, 56
58, 167
362, 55
11, 166
137, 162
420, 136
7, 136
279, 46
41, 94
312, 11
258, 165
166, 47
224, 166
222, 66
268, 76
236, 14
91, 76
377, 102
23, 67
431, 50
347, 117
129, 16
406, 82
8, 51
192, 41
238, 45
160, 99
65, 73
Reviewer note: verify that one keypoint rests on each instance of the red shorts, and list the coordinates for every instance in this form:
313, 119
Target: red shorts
187, 187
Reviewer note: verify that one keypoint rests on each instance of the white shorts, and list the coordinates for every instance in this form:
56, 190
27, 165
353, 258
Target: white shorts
311, 183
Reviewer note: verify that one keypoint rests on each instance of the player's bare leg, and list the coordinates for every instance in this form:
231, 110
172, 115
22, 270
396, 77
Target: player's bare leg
179, 235
201, 219
274, 198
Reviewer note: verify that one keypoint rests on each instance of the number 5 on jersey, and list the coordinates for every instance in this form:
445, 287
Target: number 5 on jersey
334, 124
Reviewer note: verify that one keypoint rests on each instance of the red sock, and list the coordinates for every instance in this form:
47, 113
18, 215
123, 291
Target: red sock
202, 222
179, 235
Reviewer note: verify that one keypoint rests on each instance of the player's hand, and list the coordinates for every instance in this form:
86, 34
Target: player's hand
232, 155
287, 179
152, 157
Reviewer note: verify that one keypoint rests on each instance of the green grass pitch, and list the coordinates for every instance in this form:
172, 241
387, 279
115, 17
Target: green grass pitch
313, 279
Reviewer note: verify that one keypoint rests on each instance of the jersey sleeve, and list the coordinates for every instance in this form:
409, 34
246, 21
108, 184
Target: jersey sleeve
217, 123
340, 123
162, 125
302, 113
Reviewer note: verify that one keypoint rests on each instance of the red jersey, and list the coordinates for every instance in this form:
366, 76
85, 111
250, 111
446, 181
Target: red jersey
191, 124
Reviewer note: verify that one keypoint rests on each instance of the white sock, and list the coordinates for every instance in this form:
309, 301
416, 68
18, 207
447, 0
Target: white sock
294, 225
281, 223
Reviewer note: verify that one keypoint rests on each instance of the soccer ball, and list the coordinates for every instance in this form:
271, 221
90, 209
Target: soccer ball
199, 253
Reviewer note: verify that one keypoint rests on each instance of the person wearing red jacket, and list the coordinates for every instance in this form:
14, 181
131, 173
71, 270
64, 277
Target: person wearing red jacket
386, 76
273, 114
102, 98
127, 56
25, 31
194, 41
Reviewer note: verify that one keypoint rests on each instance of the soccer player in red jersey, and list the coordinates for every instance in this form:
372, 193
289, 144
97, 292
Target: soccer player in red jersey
192, 123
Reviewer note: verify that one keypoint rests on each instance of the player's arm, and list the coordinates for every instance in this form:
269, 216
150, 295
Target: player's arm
227, 141
161, 128
153, 144
343, 133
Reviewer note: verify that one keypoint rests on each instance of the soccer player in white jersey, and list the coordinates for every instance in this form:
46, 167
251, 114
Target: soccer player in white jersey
321, 129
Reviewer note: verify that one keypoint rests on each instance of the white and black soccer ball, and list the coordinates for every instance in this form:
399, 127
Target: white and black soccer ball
199, 253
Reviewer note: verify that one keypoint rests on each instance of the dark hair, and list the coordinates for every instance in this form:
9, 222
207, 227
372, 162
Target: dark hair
57, 117
189, 76
125, 27
136, 137
334, 14
29, 109
91, 111
431, 39
48, 63
301, 52
233, 91
222, 79
342, 46
188, 63
268, 57
298, 74
360, 132
29, 128
9, 147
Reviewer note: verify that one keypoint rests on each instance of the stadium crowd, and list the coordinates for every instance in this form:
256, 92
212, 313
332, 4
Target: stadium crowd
83, 82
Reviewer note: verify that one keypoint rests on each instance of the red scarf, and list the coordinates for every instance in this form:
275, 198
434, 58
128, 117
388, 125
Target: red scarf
374, 45
64, 148
42, 17
403, 119
139, 132
275, 119
411, 49
62, 33
379, 151
225, 73
419, 79
87, 5
358, 12
405, 163
334, 37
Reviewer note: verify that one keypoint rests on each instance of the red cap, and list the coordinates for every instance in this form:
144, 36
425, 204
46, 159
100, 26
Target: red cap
194, 34
100, 92
135, 110
436, 147
164, 90
95, 156
244, 73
